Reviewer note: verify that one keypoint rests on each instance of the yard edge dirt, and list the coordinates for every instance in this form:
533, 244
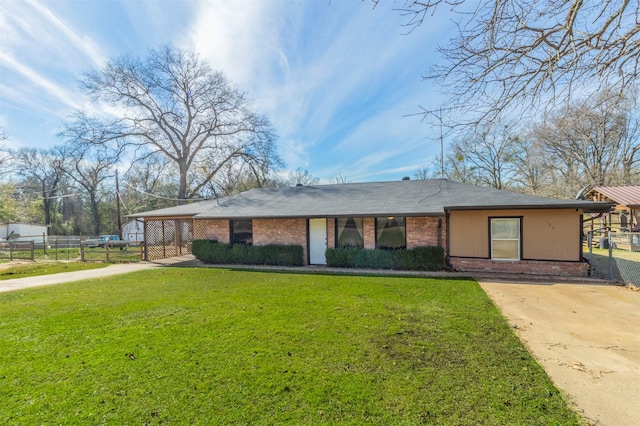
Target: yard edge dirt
585, 337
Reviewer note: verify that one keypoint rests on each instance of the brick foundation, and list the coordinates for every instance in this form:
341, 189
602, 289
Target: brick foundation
530, 267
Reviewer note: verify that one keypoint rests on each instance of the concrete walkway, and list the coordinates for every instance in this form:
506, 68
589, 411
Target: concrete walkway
64, 277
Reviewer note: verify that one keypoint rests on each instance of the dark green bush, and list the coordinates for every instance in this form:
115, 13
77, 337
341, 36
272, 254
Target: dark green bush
374, 259
274, 254
343, 257
420, 258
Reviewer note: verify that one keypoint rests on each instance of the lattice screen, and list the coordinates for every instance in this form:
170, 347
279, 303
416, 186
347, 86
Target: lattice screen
169, 237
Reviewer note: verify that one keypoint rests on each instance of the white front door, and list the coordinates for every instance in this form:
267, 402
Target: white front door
317, 241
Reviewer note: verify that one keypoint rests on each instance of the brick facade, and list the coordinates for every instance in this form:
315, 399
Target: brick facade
530, 267
217, 229
331, 232
369, 231
425, 231
281, 231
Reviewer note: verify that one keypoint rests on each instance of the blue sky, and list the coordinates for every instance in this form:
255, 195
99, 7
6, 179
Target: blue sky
337, 78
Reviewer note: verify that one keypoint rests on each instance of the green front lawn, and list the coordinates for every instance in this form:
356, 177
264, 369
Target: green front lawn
205, 346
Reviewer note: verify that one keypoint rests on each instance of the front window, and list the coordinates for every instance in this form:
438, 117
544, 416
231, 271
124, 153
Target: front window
241, 232
391, 233
505, 238
349, 232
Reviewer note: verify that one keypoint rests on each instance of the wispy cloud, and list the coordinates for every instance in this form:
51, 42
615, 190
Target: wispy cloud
82, 43
33, 77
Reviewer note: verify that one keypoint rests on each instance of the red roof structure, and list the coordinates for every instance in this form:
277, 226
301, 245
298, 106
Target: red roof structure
627, 196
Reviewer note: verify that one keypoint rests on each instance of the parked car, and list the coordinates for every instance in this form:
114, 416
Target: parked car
102, 240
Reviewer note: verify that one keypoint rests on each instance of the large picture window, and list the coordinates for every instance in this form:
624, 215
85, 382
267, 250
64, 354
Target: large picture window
391, 233
349, 232
241, 232
505, 238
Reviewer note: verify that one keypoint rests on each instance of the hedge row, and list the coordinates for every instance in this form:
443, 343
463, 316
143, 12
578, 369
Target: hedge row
429, 258
274, 254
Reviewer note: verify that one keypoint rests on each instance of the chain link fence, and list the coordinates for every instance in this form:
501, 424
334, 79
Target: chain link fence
614, 255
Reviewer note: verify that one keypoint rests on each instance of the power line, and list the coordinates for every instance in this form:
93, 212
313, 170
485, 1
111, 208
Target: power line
166, 198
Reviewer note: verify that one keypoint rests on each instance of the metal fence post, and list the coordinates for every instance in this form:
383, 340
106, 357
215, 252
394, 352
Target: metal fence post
610, 275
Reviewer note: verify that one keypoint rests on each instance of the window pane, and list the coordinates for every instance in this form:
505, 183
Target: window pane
350, 232
505, 228
390, 233
242, 232
505, 249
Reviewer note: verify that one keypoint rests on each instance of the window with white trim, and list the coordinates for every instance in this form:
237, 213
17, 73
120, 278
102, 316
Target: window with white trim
505, 238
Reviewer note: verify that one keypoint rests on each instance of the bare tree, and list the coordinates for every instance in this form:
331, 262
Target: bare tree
488, 157
425, 172
510, 53
589, 142
5, 154
173, 104
340, 179
150, 184
301, 176
89, 166
530, 168
43, 171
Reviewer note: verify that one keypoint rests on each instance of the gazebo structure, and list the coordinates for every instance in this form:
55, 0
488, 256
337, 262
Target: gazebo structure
626, 213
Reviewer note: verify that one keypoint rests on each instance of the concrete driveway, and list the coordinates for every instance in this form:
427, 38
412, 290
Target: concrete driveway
587, 338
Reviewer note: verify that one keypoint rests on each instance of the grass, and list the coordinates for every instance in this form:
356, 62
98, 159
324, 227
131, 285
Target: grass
45, 268
205, 346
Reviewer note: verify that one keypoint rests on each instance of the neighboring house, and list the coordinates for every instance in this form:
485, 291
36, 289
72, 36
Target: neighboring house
480, 228
23, 232
626, 214
133, 231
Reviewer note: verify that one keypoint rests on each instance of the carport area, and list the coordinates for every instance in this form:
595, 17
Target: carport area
586, 338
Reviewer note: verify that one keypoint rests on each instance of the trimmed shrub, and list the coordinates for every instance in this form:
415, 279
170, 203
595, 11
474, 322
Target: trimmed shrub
273, 254
374, 259
342, 257
429, 258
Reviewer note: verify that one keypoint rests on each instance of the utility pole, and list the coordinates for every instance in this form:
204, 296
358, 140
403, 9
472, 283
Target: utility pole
118, 206
441, 146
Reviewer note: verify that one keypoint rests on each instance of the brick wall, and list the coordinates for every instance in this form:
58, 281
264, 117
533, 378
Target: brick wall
217, 229
423, 231
369, 231
281, 231
331, 232
531, 267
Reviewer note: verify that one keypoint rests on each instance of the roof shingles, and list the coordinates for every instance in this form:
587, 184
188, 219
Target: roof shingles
406, 198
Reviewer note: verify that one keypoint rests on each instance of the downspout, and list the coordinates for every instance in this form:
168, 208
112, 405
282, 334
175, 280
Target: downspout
447, 258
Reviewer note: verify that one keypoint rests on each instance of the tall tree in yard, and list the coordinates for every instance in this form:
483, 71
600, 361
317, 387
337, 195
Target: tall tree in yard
508, 54
42, 171
592, 142
171, 103
89, 166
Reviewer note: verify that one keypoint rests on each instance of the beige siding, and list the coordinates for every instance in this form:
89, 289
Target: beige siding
546, 234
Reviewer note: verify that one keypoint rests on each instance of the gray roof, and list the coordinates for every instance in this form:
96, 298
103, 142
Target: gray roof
399, 198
